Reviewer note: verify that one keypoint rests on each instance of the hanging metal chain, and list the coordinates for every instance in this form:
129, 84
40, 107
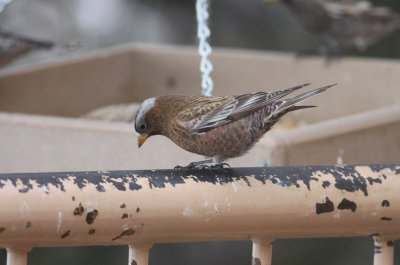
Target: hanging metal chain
203, 32
3, 4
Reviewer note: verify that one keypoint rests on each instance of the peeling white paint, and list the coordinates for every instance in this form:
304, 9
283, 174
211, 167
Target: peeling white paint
336, 215
278, 180
234, 187
374, 213
24, 209
45, 194
90, 205
206, 204
188, 212
59, 221
339, 159
218, 181
216, 207
45, 188
228, 204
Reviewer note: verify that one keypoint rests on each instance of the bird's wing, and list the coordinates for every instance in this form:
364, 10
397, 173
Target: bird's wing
203, 116
345, 1
339, 8
198, 106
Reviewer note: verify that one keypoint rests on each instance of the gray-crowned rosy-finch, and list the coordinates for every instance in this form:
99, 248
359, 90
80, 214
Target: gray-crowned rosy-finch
13, 45
216, 127
344, 23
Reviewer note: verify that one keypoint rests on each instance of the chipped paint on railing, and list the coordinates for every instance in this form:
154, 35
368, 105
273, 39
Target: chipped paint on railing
148, 206
347, 178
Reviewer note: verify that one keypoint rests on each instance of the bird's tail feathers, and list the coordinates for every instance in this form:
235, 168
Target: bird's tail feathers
286, 92
285, 104
302, 107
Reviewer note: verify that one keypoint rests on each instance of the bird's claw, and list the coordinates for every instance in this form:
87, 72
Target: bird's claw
220, 165
329, 53
194, 165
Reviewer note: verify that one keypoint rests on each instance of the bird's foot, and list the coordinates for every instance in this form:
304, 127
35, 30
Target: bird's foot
203, 165
329, 53
196, 165
220, 165
192, 166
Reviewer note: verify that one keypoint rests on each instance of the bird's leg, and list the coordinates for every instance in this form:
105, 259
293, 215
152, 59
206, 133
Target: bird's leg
196, 165
324, 51
321, 51
332, 50
218, 163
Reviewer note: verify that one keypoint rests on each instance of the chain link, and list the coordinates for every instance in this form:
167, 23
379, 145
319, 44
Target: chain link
203, 32
3, 4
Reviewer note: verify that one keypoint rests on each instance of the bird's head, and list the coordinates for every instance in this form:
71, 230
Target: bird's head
146, 124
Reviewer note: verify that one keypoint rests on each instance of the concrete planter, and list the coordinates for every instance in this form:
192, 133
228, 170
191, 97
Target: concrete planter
357, 121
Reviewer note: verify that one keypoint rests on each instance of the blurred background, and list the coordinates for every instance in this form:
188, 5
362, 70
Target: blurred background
251, 24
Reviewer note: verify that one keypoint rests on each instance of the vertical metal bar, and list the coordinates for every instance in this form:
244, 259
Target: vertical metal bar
383, 250
17, 255
262, 251
139, 254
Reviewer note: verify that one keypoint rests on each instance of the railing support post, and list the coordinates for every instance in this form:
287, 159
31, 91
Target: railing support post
262, 251
383, 250
139, 254
17, 255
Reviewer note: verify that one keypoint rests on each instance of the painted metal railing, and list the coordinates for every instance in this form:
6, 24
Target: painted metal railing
139, 208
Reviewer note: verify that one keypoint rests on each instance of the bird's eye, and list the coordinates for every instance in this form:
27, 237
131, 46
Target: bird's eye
143, 126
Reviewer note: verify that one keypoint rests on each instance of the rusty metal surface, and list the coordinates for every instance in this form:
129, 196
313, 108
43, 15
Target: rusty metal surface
127, 207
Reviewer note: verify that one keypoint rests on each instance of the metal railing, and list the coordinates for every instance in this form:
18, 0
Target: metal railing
139, 208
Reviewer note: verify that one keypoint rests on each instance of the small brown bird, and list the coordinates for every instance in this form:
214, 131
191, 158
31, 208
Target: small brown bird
216, 127
14, 45
344, 24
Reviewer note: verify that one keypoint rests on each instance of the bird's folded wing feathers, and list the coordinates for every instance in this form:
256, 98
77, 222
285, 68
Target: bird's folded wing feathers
205, 116
199, 106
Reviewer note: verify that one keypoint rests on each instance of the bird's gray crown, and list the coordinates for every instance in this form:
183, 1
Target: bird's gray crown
140, 125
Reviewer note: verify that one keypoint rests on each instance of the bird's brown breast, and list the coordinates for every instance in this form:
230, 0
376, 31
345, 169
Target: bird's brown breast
226, 141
